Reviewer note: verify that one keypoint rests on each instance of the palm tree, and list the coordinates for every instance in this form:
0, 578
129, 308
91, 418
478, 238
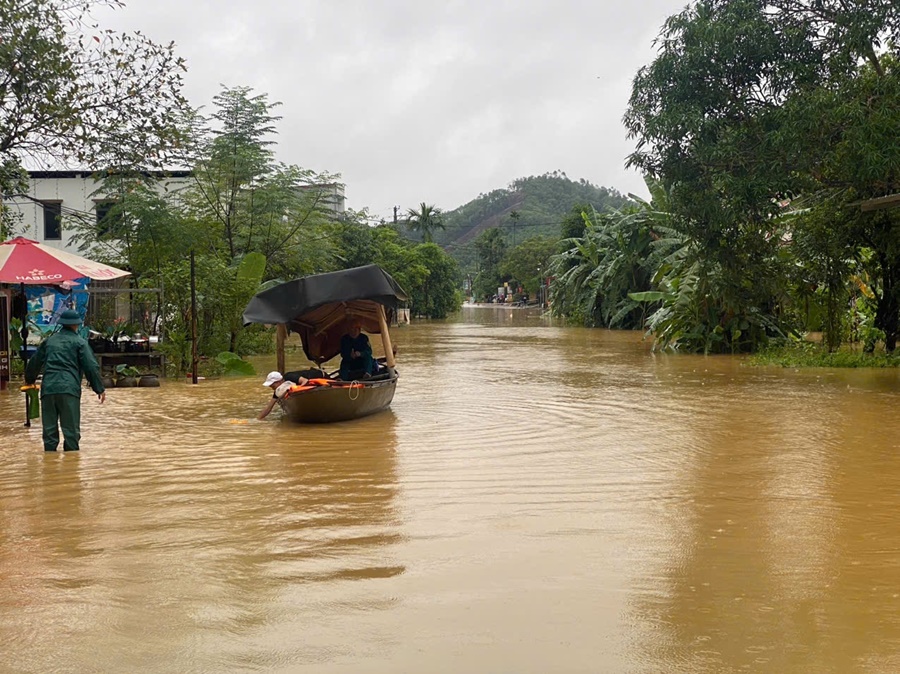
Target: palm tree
426, 220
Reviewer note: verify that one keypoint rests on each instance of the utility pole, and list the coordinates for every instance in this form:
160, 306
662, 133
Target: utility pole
5, 358
194, 357
396, 208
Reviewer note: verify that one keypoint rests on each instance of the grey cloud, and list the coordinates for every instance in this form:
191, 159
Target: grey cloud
418, 101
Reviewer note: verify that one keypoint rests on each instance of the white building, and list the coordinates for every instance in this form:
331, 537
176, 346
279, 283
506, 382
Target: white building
55, 197
329, 196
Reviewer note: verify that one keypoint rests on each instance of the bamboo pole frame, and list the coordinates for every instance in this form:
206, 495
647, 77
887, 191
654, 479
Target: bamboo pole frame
280, 336
386, 338
880, 203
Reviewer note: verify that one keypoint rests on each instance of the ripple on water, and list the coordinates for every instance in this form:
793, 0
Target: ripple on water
533, 491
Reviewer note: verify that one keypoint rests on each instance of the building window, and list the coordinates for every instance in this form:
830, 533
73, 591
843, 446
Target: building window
108, 217
52, 220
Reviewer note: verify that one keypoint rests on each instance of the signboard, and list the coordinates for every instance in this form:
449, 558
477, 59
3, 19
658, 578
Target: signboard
4, 341
46, 303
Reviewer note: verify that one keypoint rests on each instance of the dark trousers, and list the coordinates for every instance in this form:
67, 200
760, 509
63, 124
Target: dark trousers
355, 368
61, 410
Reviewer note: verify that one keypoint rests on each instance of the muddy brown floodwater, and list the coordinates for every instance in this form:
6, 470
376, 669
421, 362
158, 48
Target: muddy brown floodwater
537, 499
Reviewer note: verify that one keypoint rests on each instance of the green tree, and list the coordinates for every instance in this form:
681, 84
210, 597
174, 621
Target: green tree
240, 210
142, 229
781, 110
844, 32
353, 239
396, 255
572, 225
242, 200
439, 294
426, 220
529, 262
849, 128
428, 275
73, 91
236, 159
820, 280
491, 248
714, 145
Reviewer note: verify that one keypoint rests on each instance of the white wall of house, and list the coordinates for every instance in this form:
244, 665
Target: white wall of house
75, 195
72, 193
330, 196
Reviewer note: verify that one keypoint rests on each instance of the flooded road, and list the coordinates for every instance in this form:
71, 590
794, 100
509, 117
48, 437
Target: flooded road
537, 499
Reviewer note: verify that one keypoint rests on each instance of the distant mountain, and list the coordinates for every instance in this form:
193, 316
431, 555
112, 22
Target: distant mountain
529, 206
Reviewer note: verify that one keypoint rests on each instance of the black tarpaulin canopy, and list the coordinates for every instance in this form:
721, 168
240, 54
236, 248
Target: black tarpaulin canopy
323, 307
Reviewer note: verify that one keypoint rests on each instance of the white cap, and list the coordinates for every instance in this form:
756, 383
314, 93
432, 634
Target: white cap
272, 378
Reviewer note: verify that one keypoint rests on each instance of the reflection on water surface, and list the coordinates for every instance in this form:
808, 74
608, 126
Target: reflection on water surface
538, 498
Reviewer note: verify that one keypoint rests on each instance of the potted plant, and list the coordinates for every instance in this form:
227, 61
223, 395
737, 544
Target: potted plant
109, 339
97, 343
127, 376
112, 333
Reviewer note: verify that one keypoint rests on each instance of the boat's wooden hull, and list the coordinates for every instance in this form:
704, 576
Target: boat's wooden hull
328, 404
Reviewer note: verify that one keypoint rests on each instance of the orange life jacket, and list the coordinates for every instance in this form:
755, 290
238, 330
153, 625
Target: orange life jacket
315, 383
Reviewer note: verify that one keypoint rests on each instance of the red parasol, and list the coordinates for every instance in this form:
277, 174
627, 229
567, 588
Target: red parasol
23, 261
26, 261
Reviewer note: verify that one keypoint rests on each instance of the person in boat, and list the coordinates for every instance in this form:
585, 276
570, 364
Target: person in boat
64, 358
356, 354
280, 385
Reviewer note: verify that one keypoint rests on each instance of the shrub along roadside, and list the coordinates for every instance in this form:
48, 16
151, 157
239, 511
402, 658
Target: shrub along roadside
808, 354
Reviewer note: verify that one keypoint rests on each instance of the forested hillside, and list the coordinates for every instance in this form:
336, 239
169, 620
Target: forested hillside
526, 208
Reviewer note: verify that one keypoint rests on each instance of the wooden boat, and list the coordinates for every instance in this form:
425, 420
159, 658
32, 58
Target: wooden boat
321, 309
340, 401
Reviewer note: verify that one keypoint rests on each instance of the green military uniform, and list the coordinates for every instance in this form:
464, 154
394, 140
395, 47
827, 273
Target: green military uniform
65, 358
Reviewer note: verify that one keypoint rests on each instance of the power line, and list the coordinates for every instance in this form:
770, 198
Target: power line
505, 224
67, 210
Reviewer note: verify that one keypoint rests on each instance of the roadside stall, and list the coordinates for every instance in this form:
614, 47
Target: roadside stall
26, 264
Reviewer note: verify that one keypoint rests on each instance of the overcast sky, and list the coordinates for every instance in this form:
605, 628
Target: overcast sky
416, 100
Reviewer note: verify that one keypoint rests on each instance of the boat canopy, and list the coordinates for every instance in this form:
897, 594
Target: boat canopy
323, 307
